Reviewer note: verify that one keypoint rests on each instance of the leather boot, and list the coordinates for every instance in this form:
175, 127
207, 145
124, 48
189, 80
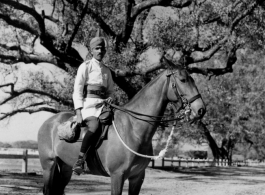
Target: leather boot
79, 166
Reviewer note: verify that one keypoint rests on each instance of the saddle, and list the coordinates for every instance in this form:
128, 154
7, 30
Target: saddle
71, 133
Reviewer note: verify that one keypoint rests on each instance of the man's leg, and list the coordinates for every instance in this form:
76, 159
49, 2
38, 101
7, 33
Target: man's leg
92, 125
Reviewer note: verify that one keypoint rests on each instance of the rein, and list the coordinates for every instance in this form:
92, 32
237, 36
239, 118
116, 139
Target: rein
181, 114
162, 153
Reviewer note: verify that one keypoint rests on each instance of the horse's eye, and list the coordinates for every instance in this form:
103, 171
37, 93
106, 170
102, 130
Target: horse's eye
183, 80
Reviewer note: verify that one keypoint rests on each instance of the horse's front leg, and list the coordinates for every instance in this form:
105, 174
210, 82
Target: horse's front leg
117, 182
135, 183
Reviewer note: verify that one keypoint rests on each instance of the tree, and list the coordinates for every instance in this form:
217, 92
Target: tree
190, 34
235, 111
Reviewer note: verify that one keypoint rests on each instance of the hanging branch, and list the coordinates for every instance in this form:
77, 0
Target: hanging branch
84, 11
30, 111
15, 93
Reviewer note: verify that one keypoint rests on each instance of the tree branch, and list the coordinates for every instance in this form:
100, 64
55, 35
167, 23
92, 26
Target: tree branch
7, 59
69, 45
105, 27
8, 84
19, 24
30, 111
29, 11
30, 58
243, 15
45, 37
151, 3
15, 93
197, 56
10, 48
51, 18
128, 21
231, 60
133, 12
143, 72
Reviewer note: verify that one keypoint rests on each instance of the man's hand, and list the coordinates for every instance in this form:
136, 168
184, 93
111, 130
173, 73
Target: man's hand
109, 100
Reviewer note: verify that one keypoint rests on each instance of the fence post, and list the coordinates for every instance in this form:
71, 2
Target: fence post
192, 162
163, 162
205, 162
25, 161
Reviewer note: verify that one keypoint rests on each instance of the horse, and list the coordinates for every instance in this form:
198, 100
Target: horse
57, 156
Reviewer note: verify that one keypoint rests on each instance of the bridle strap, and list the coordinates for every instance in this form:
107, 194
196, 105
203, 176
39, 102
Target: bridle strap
174, 85
177, 91
194, 98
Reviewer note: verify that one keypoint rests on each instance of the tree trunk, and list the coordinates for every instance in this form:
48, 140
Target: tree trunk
215, 149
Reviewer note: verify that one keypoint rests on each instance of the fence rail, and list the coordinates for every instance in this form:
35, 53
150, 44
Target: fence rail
177, 162
25, 155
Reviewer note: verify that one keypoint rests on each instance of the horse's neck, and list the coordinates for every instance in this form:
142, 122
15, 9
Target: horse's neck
151, 100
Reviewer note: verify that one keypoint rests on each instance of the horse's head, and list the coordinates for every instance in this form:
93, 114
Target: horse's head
182, 87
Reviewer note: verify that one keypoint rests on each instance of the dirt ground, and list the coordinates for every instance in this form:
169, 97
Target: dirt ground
188, 181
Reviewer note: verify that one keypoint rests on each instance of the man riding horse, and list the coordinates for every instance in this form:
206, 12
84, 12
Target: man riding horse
95, 79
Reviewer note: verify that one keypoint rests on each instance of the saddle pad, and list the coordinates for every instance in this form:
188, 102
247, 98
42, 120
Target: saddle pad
94, 164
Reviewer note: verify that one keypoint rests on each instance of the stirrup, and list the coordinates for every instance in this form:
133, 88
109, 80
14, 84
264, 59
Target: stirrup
78, 167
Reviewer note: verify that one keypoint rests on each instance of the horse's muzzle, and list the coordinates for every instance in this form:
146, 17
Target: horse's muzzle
196, 116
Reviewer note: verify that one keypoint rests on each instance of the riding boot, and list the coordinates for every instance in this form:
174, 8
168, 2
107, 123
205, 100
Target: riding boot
78, 167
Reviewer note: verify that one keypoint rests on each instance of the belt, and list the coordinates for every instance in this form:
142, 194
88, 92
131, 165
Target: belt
94, 91
97, 92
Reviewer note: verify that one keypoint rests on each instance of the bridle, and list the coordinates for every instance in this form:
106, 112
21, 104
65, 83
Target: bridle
186, 103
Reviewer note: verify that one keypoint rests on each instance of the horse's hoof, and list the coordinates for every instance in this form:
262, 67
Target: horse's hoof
78, 171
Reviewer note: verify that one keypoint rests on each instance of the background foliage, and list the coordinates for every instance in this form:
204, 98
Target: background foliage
220, 42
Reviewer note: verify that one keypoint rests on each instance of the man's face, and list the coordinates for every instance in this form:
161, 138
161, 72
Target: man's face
99, 52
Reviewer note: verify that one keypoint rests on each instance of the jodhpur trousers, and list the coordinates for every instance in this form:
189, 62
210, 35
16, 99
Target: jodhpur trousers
92, 124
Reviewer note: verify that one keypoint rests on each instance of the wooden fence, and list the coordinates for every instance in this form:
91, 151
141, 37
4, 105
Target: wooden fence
25, 155
180, 162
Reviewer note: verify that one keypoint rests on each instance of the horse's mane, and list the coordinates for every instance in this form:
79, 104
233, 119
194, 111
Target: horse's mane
148, 85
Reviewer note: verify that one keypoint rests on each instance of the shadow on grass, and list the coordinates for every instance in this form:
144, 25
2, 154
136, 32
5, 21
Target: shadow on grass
246, 175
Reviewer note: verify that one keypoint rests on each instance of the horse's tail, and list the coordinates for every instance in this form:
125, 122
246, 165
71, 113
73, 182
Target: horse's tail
54, 185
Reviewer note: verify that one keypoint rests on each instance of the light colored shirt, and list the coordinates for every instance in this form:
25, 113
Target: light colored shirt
91, 72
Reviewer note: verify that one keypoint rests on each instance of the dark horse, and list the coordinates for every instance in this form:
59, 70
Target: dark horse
57, 157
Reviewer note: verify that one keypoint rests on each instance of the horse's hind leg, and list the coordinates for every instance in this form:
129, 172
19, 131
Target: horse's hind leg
53, 184
135, 183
